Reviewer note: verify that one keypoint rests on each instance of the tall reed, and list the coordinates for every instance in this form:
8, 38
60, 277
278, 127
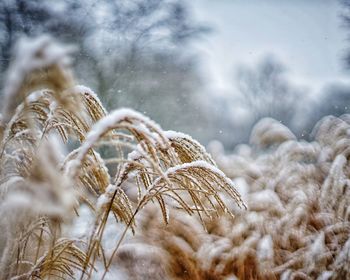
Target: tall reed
60, 149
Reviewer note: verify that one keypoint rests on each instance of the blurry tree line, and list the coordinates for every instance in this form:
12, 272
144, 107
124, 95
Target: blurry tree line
136, 54
132, 53
264, 90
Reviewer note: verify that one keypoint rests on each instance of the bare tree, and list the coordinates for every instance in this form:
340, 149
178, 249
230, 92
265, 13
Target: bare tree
131, 52
32, 18
266, 92
346, 25
116, 27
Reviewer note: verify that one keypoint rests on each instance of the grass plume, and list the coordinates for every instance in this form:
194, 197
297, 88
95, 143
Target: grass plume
44, 182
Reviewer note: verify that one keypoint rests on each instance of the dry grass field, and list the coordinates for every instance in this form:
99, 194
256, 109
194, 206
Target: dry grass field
87, 194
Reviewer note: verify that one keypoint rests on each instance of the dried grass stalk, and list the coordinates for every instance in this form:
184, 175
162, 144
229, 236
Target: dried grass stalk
42, 186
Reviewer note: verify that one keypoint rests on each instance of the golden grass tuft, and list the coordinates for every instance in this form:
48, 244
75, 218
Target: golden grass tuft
297, 222
44, 182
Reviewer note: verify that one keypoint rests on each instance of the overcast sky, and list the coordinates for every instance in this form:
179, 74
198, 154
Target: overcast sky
305, 34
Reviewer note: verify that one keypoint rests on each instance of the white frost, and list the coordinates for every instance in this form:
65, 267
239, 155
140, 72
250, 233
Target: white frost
31, 55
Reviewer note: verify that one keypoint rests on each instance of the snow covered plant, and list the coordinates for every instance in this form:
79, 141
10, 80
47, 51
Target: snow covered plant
298, 222
297, 225
60, 150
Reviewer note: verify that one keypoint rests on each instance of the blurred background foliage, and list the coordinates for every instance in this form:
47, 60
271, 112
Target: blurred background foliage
139, 54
